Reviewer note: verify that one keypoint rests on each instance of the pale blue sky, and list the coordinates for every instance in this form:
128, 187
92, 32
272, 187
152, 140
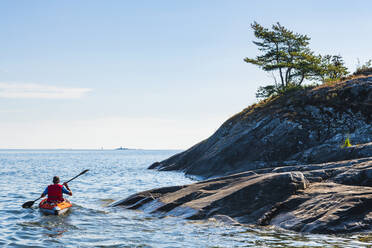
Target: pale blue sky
147, 74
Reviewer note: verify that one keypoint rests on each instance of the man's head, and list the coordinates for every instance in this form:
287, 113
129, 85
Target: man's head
55, 179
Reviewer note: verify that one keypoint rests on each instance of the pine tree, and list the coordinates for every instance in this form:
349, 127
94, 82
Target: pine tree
287, 55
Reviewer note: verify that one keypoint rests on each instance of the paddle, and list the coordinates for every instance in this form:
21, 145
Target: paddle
81, 173
30, 203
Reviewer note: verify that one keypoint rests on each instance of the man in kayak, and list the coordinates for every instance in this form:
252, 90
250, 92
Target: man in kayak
55, 191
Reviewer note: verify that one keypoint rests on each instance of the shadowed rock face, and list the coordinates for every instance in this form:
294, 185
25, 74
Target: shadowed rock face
320, 198
281, 164
302, 127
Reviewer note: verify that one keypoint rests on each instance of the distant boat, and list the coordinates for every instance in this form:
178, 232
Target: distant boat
121, 148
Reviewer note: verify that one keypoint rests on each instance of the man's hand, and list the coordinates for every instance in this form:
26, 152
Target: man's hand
65, 184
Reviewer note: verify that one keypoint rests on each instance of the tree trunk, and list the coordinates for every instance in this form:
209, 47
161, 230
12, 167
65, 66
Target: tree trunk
288, 76
281, 76
302, 79
277, 61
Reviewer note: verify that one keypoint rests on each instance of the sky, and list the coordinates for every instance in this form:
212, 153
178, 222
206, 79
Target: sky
159, 74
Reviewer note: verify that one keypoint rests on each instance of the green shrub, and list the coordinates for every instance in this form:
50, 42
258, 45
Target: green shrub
266, 91
365, 69
277, 90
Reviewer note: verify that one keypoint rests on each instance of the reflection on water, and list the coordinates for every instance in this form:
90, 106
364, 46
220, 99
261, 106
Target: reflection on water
115, 175
54, 226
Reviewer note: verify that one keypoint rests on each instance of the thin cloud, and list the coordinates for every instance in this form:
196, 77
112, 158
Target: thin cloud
39, 91
9, 111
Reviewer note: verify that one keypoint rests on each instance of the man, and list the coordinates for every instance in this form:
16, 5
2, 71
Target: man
55, 191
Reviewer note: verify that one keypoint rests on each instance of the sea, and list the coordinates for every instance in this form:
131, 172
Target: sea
115, 175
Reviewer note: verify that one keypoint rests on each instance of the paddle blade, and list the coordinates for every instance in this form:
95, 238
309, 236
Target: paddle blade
28, 204
83, 172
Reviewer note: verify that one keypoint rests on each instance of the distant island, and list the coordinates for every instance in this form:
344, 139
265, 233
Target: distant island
122, 148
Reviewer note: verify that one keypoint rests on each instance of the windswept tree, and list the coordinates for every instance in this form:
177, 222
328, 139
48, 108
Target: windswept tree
287, 55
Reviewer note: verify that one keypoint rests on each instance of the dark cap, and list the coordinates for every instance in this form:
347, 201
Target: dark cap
55, 179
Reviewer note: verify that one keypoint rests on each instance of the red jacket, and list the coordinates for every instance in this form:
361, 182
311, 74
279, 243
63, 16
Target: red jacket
55, 193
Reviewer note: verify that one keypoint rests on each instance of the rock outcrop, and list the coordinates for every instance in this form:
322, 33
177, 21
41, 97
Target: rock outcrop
306, 126
281, 162
320, 198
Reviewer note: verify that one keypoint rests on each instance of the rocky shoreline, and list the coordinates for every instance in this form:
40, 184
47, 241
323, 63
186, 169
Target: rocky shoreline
333, 197
280, 162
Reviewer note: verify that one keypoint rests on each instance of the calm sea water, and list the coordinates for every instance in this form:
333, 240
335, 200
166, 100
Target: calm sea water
115, 175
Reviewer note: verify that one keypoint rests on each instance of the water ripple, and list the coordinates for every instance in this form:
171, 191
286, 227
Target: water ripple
115, 175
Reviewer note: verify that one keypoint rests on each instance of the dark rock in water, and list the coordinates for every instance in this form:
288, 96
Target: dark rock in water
246, 195
320, 198
282, 163
307, 126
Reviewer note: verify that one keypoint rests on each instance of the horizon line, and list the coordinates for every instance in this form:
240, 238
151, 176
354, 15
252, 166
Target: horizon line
94, 149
